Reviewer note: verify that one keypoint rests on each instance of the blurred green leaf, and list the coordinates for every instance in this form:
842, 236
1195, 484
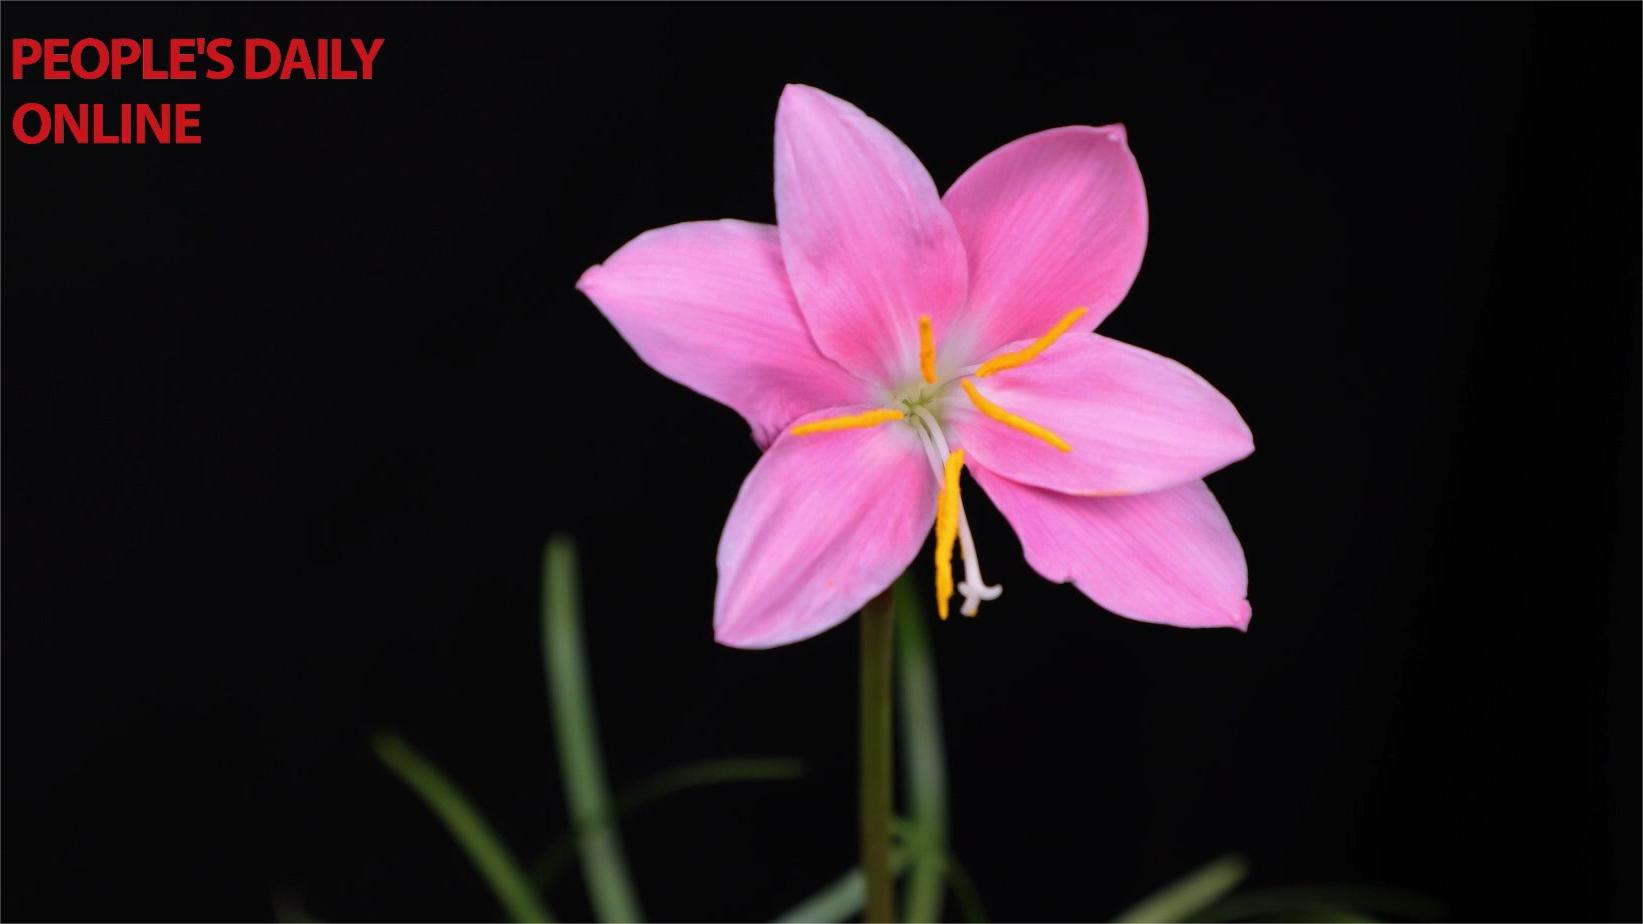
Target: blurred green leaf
484, 849
1357, 903
964, 892
1190, 894
668, 782
841, 899
707, 773
923, 757
603, 863
289, 909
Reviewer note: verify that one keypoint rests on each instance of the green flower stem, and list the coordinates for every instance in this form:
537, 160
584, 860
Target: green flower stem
922, 757
877, 621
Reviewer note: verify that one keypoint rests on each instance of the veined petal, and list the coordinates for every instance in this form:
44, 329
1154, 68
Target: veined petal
869, 246
824, 523
707, 304
1133, 421
1050, 222
1167, 556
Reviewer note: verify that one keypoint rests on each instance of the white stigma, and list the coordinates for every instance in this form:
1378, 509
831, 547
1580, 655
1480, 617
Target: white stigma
972, 587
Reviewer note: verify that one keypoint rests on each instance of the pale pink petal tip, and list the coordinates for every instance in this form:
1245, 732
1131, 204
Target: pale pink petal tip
1167, 556
1050, 221
1135, 421
867, 243
707, 304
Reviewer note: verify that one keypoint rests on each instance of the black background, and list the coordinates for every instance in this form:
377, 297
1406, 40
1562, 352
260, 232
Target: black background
287, 416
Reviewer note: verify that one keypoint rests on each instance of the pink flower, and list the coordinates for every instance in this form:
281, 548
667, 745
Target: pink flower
880, 338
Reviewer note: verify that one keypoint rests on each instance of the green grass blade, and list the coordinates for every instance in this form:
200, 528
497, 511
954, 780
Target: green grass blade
598, 840
1297, 902
668, 782
484, 849
964, 892
841, 899
923, 757
707, 773
1192, 893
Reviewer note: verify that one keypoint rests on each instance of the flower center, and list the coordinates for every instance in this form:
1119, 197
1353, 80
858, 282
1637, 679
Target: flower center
922, 402
919, 404
951, 522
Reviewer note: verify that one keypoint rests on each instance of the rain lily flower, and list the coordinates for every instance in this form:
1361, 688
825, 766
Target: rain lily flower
881, 338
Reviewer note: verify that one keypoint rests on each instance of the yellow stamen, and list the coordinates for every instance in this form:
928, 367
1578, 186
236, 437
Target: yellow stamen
848, 422
1024, 355
947, 530
1010, 420
926, 349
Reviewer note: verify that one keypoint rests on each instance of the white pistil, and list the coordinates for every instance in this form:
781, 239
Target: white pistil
972, 587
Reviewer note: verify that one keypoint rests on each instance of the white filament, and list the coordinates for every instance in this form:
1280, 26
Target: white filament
963, 373
972, 587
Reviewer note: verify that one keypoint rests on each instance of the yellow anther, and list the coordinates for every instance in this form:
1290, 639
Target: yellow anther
926, 349
848, 422
947, 529
1024, 355
1010, 420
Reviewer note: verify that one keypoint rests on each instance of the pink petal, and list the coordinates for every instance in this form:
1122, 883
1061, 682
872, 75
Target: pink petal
1168, 556
1050, 222
823, 524
869, 246
1136, 421
707, 304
